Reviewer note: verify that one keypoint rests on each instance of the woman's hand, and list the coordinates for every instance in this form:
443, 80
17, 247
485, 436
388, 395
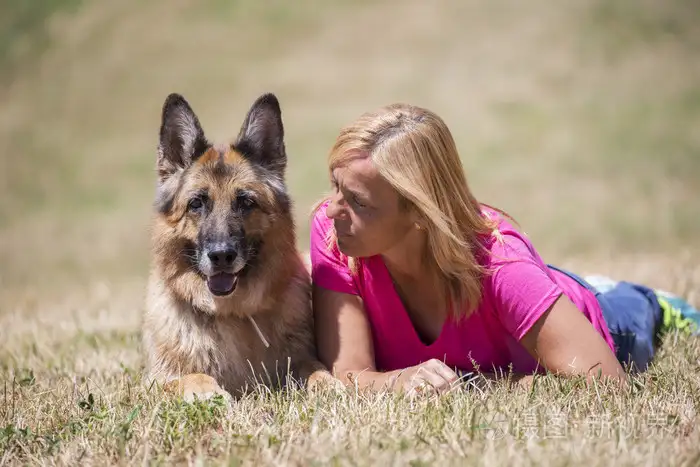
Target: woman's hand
431, 377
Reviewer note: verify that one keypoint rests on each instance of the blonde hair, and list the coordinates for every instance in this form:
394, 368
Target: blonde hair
413, 149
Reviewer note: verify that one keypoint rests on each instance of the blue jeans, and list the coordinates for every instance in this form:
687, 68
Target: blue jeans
634, 318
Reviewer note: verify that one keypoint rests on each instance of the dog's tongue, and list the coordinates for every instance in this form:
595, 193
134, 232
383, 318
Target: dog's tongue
222, 283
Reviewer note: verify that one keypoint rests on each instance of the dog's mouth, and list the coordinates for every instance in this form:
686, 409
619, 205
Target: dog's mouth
222, 284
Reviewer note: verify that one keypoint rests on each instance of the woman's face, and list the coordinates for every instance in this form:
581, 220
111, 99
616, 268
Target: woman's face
366, 211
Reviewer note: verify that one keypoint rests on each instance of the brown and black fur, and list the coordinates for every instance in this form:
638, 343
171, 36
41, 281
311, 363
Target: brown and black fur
229, 198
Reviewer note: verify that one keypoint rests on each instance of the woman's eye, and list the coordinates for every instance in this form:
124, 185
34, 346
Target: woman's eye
358, 202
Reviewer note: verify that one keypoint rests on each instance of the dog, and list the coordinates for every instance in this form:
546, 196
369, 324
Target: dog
228, 301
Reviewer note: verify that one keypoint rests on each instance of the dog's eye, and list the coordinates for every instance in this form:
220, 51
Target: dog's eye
246, 202
196, 203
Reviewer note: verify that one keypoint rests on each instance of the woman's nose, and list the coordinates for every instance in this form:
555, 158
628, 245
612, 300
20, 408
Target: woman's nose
334, 210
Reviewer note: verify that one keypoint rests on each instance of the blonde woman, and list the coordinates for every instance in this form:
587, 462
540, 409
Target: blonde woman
415, 280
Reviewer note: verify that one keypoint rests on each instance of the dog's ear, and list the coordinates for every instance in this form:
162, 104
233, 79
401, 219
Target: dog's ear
181, 137
261, 138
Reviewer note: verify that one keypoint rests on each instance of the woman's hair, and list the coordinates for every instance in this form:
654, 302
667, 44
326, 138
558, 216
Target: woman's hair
413, 149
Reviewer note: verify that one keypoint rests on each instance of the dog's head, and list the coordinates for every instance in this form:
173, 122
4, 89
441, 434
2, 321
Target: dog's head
220, 202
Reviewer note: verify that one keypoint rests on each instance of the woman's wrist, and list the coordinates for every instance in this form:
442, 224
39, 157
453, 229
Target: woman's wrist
373, 380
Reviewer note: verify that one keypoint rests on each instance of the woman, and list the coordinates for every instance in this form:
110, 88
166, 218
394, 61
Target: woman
415, 280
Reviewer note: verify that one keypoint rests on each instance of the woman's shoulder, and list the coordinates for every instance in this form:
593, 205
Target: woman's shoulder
503, 220
506, 242
519, 285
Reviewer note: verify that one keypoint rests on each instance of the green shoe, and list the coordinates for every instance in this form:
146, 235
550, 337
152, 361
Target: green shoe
678, 314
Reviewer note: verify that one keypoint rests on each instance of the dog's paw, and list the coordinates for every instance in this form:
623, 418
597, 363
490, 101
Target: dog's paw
197, 386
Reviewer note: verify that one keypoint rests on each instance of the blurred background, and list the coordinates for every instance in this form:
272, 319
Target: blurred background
580, 118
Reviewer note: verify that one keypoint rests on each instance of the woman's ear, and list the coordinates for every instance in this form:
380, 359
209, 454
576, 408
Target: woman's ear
416, 217
411, 211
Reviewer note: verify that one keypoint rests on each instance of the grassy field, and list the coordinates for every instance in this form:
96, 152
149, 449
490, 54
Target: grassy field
581, 119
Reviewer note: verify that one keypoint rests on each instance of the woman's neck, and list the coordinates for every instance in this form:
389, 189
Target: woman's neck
407, 260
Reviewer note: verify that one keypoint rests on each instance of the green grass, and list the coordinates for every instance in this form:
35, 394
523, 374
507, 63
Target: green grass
579, 119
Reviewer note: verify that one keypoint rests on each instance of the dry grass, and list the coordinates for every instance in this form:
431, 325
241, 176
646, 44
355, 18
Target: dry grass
68, 421
73, 394
579, 118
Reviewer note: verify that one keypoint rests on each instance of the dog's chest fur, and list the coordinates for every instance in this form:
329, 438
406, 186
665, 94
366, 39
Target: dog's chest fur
232, 351
182, 340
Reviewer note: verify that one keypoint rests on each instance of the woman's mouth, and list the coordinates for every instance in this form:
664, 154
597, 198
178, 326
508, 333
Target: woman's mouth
341, 232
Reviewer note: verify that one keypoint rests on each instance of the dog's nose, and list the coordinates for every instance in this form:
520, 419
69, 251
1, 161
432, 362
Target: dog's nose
222, 256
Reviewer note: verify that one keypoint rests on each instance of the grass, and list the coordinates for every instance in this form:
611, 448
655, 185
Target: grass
579, 119
64, 418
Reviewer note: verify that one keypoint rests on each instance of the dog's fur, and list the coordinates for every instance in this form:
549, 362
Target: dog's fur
222, 211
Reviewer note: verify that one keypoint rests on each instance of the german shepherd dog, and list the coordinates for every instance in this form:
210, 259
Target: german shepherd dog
229, 300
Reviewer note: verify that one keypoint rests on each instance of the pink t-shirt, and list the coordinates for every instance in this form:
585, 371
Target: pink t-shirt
514, 297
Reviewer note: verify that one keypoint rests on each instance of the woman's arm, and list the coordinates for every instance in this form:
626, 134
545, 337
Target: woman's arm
343, 337
344, 345
566, 343
534, 309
